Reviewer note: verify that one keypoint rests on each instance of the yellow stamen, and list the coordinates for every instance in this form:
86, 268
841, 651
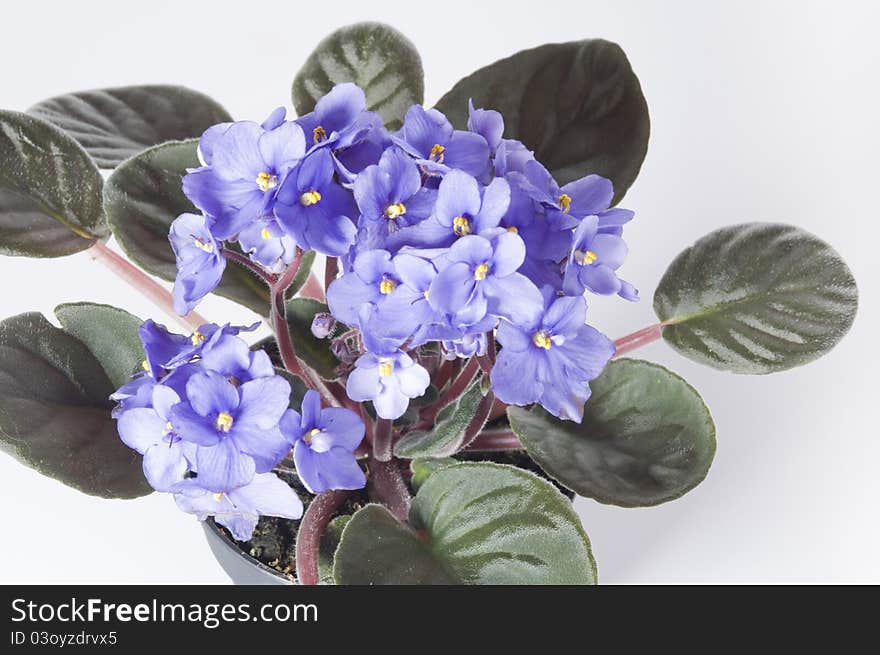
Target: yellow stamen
197, 337
585, 257
565, 202
310, 198
386, 286
310, 435
145, 365
319, 134
461, 225
265, 233
513, 229
386, 368
394, 211
266, 181
218, 497
201, 244
480, 272
167, 428
437, 153
541, 340
224, 422
425, 295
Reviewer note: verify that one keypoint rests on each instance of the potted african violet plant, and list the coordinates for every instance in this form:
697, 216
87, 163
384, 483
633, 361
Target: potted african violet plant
433, 395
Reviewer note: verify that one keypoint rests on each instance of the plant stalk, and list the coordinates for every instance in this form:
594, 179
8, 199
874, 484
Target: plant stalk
152, 290
638, 339
388, 487
311, 529
495, 440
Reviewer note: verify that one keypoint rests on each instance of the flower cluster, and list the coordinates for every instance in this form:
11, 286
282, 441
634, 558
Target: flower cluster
443, 235
212, 420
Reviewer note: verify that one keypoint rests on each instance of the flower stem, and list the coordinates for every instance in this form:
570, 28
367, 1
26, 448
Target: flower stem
493, 440
388, 487
151, 289
286, 349
456, 388
382, 440
311, 529
251, 266
638, 338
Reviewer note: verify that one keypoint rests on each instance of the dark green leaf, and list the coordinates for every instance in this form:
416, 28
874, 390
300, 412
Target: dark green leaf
302, 275
298, 388
50, 191
448, 434
646, 438
756, 298
313, 351
143, 196
329, 543
111, 334
55, 410
578, 105
115, 124
376, 57
423, 467
471, 524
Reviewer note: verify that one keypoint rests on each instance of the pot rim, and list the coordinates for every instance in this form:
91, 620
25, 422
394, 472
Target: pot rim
211, 526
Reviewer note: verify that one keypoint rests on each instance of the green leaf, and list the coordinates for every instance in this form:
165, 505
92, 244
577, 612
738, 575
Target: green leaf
423, 467
298, 388
376, 57
646, 438
143, 196
50, 190
578, 105
115, 124
327, 548
313, 351
55, 408
448, 434
471, 524
756, 298
110, 334
302, 275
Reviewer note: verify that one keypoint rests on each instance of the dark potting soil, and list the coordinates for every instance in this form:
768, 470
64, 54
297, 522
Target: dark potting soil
274, 540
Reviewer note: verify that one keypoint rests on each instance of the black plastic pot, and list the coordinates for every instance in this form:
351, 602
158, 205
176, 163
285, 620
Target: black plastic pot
241, 568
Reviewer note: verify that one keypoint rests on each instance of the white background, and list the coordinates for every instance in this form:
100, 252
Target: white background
760, 111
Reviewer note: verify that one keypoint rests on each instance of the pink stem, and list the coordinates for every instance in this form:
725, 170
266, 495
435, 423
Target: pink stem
382, 440
246, 263
638, 339
388, 486
495, 440
311, 529
151, 289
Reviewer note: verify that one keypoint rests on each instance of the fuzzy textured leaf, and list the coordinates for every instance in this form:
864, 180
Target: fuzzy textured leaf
55, 409
50, 190
471, 523
578, 105
449, 428
756, 298
646, 438
143, 196
115, 124
376, 57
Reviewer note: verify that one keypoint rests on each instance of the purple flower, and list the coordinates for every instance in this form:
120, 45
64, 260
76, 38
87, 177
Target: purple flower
389, 380
148, 431
437, 147
200, 264
594, 260
314, 209
463, 207
239, 509
266, 243
551, 359
481, 279
390, 196
488, 123
340, 119
470, 345
578, 199
235, 428
511, 156
324, 441
246, 166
